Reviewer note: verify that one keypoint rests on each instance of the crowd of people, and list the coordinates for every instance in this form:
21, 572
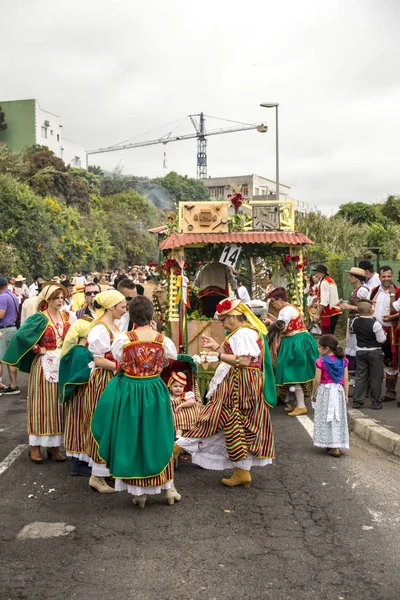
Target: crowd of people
110, 388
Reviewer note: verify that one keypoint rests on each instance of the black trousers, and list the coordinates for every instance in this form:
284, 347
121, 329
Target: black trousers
369, 374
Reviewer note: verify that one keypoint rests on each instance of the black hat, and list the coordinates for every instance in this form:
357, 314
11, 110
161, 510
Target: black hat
66, 283
366, 265
320, 269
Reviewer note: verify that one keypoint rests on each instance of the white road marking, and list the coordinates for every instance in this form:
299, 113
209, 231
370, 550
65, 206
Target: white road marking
307, 423
8, 461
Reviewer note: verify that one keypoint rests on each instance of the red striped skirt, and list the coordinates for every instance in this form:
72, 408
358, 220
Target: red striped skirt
45, 414
238, 408
97, 383
75, 433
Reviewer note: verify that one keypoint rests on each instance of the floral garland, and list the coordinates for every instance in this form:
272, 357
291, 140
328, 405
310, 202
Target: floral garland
291, 266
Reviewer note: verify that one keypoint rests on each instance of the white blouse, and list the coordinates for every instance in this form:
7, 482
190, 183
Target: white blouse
122, 339
288, 313
99, 342
244, 342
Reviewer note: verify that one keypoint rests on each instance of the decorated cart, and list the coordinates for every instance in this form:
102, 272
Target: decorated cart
246, 236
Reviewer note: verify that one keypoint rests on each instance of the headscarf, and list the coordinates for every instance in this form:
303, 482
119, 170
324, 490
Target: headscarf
106, 300
47, 289
79, 329
237, 307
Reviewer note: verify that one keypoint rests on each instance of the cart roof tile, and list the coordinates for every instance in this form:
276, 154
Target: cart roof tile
291, 238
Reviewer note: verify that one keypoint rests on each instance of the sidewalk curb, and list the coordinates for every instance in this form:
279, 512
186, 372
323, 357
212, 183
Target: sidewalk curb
374, 433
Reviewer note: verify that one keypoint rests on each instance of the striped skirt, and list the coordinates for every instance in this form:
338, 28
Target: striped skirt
97, 383
185, 418
45, 414
75, 433
238, 409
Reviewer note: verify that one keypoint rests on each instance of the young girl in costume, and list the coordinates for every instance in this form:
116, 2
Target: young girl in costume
185, 409
330, 393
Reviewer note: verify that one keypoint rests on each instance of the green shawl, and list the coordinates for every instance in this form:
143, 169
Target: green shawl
19, 352
74, 371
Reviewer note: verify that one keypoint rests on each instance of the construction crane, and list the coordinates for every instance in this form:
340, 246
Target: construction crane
200, 134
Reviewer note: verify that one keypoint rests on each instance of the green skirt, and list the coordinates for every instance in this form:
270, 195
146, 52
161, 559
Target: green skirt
133, 427
296, 359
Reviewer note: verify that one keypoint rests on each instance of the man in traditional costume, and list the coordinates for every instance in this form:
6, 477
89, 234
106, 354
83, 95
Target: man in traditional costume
234, 429
383, 297
328, 300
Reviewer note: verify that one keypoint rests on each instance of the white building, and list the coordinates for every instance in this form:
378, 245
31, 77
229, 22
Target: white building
250, 186
28, 124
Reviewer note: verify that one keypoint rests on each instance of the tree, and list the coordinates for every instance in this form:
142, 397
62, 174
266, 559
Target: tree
391, 208
359, 212
182, 188
96, 170
3, 124
332, 235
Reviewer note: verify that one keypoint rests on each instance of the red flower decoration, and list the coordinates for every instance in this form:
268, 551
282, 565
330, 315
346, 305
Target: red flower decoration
186, 264
224, 305
305, 262
300, 266
171, 218
287, 257
177, 271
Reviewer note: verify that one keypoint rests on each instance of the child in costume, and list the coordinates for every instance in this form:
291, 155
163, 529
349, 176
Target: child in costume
330, 393
184, 406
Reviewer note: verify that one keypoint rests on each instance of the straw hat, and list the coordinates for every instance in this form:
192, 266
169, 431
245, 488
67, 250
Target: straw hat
356, 271
227, 306
20, 279
178, 378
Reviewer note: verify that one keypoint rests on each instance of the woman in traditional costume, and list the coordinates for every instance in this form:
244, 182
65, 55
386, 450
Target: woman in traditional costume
73, 379
110, 306
234, 429
298, 351
133, 424
36, 349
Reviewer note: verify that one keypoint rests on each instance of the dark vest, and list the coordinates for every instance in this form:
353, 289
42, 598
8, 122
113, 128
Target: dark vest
363, 328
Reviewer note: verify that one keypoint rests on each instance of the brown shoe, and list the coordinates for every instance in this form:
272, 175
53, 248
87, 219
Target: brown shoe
239, 477
34, 455
334, 452
297, 412
56, 454
289, 407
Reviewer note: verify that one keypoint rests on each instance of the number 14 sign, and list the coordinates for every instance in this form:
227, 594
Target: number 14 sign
230, 254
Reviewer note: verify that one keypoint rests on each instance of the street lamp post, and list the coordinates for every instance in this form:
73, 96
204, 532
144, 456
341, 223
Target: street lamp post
275, 105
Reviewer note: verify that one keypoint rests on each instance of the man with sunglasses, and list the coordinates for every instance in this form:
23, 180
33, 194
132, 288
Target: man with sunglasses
91, 291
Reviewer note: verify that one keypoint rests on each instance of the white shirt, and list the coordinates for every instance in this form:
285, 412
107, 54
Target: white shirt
329, 294
373, 282
382, 306
79, 280
243, 294
33, 290
380, 335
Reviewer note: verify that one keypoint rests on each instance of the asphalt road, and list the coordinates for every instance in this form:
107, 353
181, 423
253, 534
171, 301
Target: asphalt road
310, 527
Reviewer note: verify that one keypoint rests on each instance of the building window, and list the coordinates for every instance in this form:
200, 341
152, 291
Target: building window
58, 137
44, 133
76, 161
257, 191
245, 190
51, 132
217, 192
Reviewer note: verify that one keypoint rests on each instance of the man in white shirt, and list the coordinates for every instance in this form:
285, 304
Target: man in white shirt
372, 278
382, 298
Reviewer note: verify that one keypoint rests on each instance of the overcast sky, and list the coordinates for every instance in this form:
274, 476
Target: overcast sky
117, 69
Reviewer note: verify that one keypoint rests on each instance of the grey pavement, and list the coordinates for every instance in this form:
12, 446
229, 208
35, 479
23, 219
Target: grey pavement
310, 527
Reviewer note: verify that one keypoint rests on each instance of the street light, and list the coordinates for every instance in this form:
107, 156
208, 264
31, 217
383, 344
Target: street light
275, 105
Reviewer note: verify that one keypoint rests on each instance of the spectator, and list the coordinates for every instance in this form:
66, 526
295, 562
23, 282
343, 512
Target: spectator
130, 291
372, 279
9, 306
91, 291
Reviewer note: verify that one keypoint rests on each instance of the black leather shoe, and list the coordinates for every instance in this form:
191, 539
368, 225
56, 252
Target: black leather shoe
388, 399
